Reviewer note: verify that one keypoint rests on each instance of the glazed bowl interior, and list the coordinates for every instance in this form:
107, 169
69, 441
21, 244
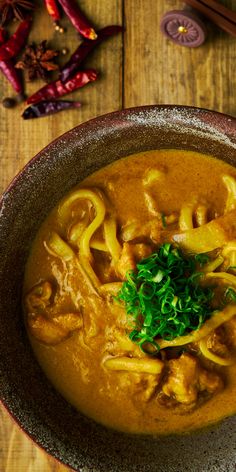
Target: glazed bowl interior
43, 413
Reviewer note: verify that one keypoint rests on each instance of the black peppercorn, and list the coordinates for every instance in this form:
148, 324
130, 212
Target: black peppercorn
9, 102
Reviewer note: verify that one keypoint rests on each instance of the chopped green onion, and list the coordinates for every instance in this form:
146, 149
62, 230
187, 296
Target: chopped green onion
163, 297
163, 219
230, 294
202, 259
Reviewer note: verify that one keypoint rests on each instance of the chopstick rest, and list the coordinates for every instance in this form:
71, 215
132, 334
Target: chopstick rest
184, 28
187, 29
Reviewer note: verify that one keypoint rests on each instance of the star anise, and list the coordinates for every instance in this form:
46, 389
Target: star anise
14, 9
38, 61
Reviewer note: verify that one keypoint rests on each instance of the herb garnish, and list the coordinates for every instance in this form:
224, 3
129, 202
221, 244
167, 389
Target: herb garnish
163, 220
163, 297
230, 294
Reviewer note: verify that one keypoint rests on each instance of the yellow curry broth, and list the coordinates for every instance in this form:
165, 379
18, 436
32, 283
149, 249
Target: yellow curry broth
75, 366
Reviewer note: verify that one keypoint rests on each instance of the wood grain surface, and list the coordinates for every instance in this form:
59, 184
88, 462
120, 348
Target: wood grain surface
140, 68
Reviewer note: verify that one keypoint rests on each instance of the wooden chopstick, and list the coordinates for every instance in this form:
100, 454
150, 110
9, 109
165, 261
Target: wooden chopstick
221, 9
220, 15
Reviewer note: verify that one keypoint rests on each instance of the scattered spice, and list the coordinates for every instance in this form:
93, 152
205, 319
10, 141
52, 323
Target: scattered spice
84, 50
45, 108
57, 89
9, 102
53, 9
59, 29
13, 46
78, 19
11, 74
14, 9
38, 61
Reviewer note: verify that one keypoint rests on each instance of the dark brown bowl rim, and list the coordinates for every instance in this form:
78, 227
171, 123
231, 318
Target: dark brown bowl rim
221, 119
109, 117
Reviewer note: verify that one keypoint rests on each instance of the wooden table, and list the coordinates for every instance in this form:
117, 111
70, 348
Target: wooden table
139, 69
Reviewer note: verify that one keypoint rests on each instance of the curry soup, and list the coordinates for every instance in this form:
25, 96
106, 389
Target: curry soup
130, 293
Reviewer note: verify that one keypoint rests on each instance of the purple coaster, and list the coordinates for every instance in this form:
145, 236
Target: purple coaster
183, 28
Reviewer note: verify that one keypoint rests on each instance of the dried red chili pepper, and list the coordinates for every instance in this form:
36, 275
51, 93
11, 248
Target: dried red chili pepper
12, 75
8, 69
53, 9
58, 89
78, 19
45, 108
15, 43
3, 35
84, 49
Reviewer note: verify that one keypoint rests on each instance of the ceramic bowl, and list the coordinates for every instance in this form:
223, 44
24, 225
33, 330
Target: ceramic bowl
42, 413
